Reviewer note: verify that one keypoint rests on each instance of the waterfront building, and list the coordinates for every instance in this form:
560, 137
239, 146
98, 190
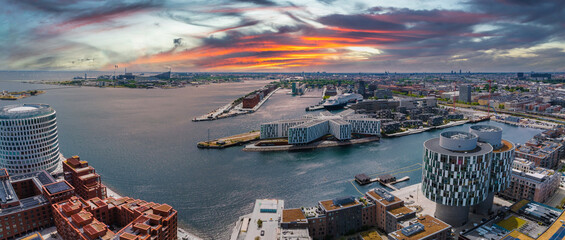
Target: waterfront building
263, 222
84, 178
77, 218
313, 127
501, 162
531, 182
28, 139
308, 132
465, 93
344, 215
389, 210
252, 100
456, 174
25, 201
424, 227
543, 153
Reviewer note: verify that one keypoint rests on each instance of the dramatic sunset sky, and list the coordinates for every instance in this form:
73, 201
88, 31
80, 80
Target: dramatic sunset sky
283, 36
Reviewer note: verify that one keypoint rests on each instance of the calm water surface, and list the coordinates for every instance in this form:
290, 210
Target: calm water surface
143, 143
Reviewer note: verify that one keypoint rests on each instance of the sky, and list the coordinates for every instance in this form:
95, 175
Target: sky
283, 36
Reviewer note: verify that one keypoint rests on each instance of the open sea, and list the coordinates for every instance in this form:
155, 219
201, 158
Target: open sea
143, 144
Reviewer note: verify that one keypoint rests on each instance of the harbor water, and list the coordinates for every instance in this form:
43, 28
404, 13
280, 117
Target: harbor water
143, 144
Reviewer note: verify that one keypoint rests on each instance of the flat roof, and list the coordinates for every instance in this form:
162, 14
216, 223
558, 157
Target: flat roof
481, 149
25, 111
400, 210
293, 215
381, 199
57, 187
329, 205
506, 146
431, 226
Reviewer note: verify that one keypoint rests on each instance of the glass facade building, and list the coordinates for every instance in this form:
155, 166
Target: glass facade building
28, 138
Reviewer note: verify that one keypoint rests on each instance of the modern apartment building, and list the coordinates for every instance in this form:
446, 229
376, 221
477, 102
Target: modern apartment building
25, 202
531, 182
28, 138
456, 174
312, 127
77, 219
544, 154
501, 163
465, 93
84, 178
389, 210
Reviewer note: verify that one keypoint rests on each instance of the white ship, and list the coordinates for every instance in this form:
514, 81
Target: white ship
339, 101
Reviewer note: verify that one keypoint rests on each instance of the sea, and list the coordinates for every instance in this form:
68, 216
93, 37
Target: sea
143, 144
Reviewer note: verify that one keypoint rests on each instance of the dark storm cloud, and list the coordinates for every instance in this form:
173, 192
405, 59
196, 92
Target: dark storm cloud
359, 22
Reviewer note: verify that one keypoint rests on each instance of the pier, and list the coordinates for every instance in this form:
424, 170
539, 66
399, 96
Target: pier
230, 141
231, 110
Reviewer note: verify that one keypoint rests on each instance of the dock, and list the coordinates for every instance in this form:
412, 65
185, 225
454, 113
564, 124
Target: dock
232, 110
386, 180
234, 140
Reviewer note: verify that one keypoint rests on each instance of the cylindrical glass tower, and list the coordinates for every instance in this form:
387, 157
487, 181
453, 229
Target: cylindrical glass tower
501, 164
28, 138
456, 174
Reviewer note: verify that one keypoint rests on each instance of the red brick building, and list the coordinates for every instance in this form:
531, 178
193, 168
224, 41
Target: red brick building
251, 101
84, 178
88, 220
25, 202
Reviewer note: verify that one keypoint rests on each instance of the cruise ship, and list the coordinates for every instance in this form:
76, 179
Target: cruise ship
339, 101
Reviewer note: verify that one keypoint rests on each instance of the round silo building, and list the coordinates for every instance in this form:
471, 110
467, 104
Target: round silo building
501, 162
28, 138
456, 174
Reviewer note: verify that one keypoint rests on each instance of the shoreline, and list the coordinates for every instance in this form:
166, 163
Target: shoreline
320, 144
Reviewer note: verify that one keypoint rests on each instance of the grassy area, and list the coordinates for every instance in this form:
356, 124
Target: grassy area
370, 235
511, 223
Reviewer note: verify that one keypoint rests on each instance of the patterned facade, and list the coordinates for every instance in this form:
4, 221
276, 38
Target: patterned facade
28, 138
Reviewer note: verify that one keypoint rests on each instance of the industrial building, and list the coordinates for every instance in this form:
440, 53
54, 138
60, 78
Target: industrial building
28, 139
313, 127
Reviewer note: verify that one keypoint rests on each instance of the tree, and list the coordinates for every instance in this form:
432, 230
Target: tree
259, 223
501, 106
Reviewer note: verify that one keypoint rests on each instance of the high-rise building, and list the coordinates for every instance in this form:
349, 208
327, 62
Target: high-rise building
501, 163
28, 139
465, 93
456, 174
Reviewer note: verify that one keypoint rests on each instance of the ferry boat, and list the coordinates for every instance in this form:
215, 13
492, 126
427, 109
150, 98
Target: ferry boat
339, 101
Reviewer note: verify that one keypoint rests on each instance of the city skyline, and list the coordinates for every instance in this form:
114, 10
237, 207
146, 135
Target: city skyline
289, 36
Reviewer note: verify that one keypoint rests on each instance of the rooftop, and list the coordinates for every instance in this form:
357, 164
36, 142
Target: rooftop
400, 211
506, 146
430, 225
381, 199
293, 215
24, 111
481, 149
57, 187
329, 205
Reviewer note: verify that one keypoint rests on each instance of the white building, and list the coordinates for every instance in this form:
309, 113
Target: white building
28, 138
263, 222
312, 127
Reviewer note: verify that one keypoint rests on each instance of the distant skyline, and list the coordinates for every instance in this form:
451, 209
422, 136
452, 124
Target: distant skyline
284, 36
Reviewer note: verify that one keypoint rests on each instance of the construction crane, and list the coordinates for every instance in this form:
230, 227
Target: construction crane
489, 93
